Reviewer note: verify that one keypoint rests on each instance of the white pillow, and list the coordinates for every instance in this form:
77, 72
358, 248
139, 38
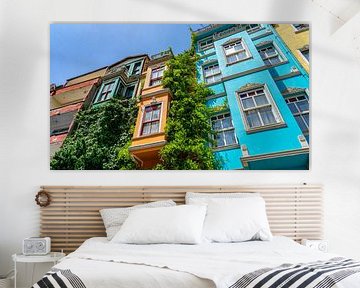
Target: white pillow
236, 220
173, 225
204, 198
113, 218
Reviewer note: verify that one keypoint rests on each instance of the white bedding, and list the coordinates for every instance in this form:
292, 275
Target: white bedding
100, 263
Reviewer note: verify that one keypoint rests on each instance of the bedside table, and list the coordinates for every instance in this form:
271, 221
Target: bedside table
320, 245
53, 257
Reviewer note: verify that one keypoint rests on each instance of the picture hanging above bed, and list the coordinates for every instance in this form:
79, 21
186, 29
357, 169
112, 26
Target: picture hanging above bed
179, 96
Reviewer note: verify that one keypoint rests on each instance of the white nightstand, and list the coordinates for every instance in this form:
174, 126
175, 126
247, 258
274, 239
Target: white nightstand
320, 245
53, 257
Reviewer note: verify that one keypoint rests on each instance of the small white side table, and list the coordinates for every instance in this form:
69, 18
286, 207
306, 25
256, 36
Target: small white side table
53, 257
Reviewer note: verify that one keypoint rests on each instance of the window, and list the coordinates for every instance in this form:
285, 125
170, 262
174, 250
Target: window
61, 123
106, 91
205, 44
212, 73
251, 28
300, 27
151, 120
225, 131
136, 69
156, 75
305, 53
299, 107
258, 109
235, 52
270, 55
129, 91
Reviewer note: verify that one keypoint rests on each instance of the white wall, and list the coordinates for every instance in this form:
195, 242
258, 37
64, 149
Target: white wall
24, 123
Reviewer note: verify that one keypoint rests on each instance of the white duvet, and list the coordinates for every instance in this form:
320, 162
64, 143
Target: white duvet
100, 263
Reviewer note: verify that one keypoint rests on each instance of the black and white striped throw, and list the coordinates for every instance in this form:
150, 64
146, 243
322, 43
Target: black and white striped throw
57, 278
320, 274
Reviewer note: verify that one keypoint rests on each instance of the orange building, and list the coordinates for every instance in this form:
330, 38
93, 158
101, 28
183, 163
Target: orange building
149, 135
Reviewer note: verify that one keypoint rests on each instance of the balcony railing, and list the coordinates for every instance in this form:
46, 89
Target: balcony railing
162, 54
206, 28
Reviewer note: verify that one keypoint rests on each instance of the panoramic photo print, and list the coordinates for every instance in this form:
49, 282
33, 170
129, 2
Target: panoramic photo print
179, 96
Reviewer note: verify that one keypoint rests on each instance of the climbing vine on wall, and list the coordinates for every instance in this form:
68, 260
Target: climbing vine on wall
100, 138
188, 128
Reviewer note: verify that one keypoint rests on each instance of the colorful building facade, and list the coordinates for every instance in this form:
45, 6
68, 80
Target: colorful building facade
121, 78
149, 134
66, 101
257, 84
296, 37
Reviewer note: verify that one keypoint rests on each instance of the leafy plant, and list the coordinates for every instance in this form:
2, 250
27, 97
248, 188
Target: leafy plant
99, 137
188, 128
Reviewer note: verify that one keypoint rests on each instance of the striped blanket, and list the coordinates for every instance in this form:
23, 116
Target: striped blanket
319, 274
57, 278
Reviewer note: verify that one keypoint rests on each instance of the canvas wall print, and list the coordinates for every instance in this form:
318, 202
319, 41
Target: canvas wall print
179, 96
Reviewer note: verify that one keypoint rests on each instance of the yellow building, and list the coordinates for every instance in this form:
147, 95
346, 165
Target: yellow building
296, 37
149, 135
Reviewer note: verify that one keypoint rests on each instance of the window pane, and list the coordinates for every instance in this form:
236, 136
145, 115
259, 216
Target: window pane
275, 60
220, 139
267, 115
267, 62
136, 69
242, 54
226, 123
306, 118
156, 113
146, 129
303, 105
230, 137
217, 77
216, 125
231, 58
305, 53
154, 127
270, 51
147, 116
129, 91
261, 100
248, 103
293, 108
253, 119
301, 123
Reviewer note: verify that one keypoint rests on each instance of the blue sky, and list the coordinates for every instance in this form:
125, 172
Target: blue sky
79, 48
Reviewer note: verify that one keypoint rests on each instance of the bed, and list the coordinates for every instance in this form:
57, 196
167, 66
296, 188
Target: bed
295, 211
98, 263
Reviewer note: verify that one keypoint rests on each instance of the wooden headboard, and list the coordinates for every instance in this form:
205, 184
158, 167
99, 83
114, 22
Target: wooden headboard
73, 214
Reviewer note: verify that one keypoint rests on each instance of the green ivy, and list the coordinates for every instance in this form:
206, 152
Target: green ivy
100, 138
188, 128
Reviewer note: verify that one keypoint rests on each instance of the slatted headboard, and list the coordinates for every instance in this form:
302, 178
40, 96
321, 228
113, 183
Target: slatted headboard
73, 214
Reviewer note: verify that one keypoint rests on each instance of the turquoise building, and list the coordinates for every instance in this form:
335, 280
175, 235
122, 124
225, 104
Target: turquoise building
261, 97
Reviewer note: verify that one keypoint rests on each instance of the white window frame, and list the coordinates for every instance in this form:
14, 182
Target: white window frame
213, 74
224, 130
207, 46
143, 115
245, 48
301, 29
278, 54
157, 80
271, 103
302, 55
300, 113
253, 29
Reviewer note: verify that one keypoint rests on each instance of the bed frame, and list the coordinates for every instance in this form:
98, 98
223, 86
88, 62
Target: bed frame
73, 214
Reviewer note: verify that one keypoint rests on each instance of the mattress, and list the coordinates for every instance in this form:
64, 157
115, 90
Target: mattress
99, 263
